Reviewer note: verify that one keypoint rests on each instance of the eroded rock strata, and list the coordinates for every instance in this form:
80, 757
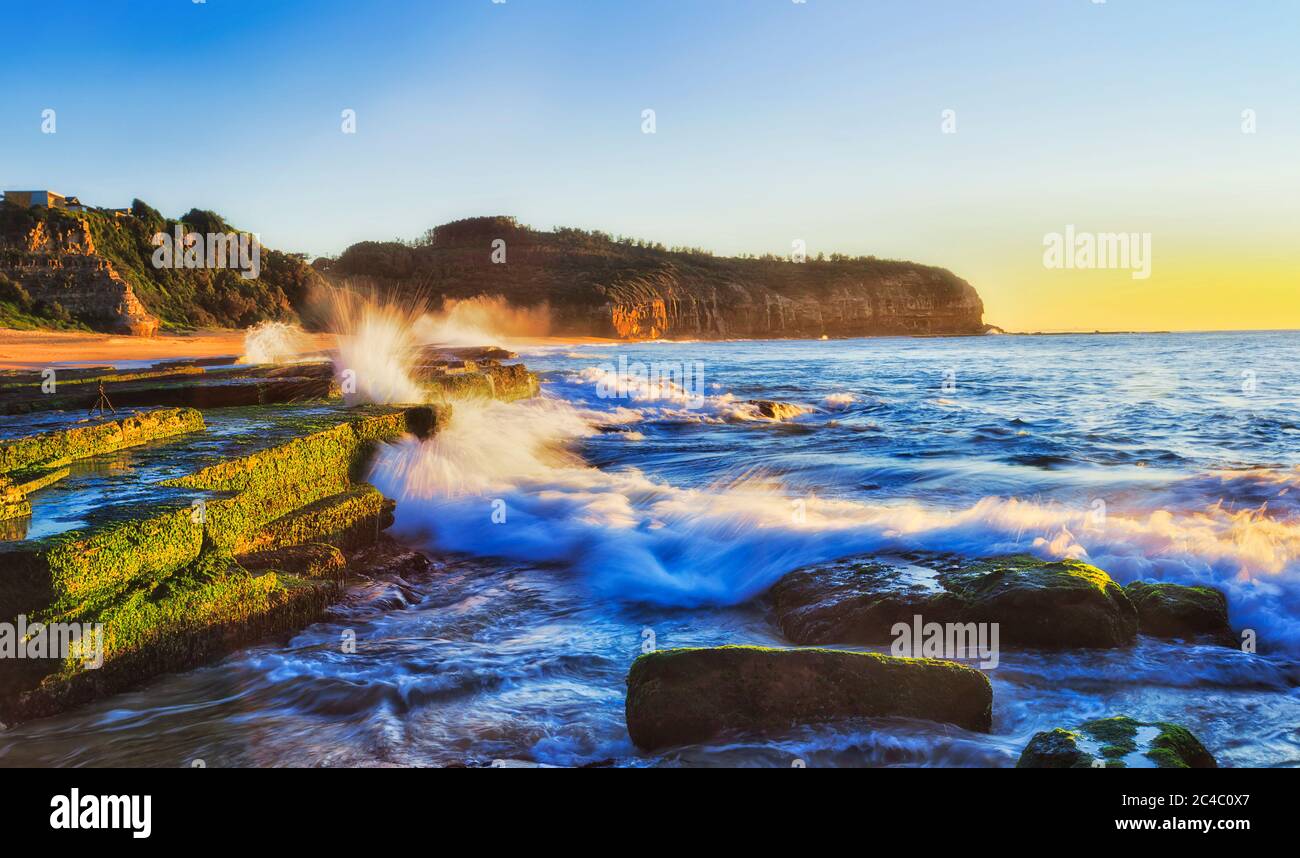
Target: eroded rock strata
230, 386
33, 462
95, 269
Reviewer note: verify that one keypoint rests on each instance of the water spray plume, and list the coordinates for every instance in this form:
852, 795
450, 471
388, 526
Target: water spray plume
377, 350
275, 343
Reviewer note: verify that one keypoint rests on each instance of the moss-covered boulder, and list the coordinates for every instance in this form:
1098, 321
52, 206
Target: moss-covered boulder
1181, 612
1041, 603
1119, 742
684, 696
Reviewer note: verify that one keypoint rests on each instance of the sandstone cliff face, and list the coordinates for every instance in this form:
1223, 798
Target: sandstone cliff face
59, 266
596, 285
786, 305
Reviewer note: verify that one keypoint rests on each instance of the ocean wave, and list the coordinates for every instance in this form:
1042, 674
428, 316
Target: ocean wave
500, 481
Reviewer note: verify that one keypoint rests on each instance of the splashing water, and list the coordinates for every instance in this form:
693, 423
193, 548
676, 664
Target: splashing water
373, 362
484, 320
639, 539
557, 543
274, 343
380, 341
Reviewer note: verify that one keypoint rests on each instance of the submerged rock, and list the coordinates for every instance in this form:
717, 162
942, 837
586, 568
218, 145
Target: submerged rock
774, 410
683, 696
1178, 611
1062, 603
1119, 742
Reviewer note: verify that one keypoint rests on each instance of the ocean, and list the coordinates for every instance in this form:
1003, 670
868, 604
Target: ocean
615, 513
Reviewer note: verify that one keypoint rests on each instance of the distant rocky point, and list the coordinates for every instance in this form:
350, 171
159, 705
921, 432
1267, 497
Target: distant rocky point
595, 284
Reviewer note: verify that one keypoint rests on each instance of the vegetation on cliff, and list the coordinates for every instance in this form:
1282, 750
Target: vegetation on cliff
53, 265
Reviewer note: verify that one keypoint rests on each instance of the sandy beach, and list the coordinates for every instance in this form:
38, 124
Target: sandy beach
35, 349
31, 349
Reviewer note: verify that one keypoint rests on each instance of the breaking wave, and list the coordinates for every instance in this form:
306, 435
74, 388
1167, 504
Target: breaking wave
500, 481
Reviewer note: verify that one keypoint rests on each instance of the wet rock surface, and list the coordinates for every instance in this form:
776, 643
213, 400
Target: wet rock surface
254, 537
774, 410
1181, 612
683, 696
1036, 603
1118, 742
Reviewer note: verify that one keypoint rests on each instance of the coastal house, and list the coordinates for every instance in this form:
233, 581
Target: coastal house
38, 199
52, 200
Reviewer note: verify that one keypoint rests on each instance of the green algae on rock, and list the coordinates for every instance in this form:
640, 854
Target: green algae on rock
1181, 612
15, 487
350, 519
685, 696
308, 560
181, 625
480, 380
62, 446
1118, 742
165, 581
1043, 603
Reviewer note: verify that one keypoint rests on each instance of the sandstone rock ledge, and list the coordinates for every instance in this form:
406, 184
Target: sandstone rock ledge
685, 696
33, 462
250, 547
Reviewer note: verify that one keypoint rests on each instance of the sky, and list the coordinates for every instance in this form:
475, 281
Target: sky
954, 133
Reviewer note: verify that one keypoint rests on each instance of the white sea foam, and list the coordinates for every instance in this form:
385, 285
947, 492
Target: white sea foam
663, 399
839, 401
499, 480
640, 539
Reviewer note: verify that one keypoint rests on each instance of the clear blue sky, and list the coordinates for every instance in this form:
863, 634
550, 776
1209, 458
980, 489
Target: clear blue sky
776, 120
